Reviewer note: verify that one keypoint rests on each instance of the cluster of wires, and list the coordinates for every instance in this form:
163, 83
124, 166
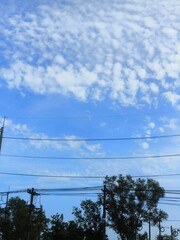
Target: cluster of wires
81, 191
172, 197
90, 191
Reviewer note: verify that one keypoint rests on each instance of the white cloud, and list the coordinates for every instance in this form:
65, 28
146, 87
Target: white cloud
22, 130
173, 98
165, 125
172, 124
91, 50
151, 125
145, 145
154, 87
103, 124
161, 129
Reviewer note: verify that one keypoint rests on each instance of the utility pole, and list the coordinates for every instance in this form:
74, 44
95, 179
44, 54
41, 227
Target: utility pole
5, 212
171, 233
104, 212
159, 226
1, 134
31, 207
6, 208
149, 228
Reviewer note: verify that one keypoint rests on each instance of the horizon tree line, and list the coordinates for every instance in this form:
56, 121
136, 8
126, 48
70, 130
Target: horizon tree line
124, 205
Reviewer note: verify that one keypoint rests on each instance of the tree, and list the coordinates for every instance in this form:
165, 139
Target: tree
143, 236
64, 230
130, 202
15, 218
73, 231
58, 226
167, 237
88, 217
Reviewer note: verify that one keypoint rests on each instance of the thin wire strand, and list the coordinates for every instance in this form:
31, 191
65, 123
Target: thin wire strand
49, 176
91, 158
83, 176
92, 139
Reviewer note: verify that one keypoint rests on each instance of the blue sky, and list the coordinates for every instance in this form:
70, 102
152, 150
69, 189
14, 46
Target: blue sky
89, 69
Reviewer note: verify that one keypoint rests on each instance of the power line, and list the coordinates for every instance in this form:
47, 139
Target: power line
85, 176
173, 198
51, 190
79, 191
92, 139
86, 115
170, 201
157, 175
50, 176
171, 204
68, 189
71, 194
97, 188
85, 191
169, 220
90, 158
15, 191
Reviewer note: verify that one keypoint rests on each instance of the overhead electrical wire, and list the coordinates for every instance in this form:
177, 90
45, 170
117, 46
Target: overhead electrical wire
49, 176
95, 188
156, 175
85, 116
91, 158
15, 191
171, 204
83, 176
71, 194
92, 188
68, 189
92, 139
173, 198
60, 191
87, 191
169, 220
169, 200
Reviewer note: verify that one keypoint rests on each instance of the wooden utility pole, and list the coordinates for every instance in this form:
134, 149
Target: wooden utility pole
171, 233
5, 213
104, 212
149, 228
159, 226
1, 134
31, 207
6, 208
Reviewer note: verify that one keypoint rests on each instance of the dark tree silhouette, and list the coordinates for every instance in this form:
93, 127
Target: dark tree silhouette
130, 202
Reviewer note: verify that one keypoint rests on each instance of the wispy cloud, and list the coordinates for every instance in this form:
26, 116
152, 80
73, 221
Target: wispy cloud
89, 167
158, 127
22, 130
127, 52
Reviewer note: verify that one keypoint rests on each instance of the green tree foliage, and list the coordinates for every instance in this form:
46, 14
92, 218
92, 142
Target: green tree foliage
73, 231
156, 217
130, 202
143, 236
64, 230
15, 218
89, 219
57, 226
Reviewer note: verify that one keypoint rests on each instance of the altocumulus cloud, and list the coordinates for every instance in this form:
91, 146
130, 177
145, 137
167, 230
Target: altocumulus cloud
128, 52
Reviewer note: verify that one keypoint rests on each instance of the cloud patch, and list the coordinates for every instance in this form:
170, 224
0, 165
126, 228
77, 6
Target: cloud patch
23, 131
127, 52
